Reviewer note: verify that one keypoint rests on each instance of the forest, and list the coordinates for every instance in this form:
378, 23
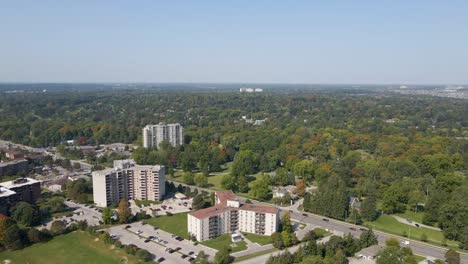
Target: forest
396, 153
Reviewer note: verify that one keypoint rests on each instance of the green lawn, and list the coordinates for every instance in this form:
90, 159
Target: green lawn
419, 258
214, 181
320, 232
73, 248
416, 217
176, 224
225, 240
262, 240
389, 224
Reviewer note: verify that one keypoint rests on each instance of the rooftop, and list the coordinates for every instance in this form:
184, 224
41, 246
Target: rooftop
224, 196
18, 182
4, 192
259, 208
371, 251
210, 211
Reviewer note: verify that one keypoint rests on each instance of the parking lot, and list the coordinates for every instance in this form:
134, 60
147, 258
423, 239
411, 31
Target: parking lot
173, 205
80, 212
159, 242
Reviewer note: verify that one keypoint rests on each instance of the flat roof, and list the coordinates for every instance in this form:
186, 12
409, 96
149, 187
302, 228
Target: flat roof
4, 192
210, 211
16, 183
259, 208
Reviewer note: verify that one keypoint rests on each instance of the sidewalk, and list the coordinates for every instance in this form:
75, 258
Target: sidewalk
412, 223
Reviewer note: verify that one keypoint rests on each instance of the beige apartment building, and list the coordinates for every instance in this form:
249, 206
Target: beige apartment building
128, 181
153, 135
228, 215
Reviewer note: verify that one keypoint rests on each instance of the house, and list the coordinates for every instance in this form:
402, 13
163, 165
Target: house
13, 154
281, 191
369, 252
354, 203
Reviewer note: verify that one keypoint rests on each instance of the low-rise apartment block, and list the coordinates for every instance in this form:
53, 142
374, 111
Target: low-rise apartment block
228, 215
19, 190
128, 181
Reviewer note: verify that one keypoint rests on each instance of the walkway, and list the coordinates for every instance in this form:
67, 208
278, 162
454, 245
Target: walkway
251, 248
412, 223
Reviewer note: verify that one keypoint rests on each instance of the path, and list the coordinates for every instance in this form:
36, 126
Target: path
412, 223
251, 248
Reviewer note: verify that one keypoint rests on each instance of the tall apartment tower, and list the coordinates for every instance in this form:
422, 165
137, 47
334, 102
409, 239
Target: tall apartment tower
153, 135
128, 181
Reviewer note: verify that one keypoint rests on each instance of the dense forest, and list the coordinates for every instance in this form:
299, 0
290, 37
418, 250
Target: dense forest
394, 152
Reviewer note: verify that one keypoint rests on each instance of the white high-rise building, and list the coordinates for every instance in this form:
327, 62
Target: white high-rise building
228, 215
153, 135
128, 181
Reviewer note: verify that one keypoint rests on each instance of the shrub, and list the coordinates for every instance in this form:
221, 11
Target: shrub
143, 255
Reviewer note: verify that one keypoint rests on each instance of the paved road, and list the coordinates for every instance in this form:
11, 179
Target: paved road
418, 248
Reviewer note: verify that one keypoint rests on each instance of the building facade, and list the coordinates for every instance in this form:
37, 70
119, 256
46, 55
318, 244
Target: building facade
153, 135
19, 190
228, 215
128, 181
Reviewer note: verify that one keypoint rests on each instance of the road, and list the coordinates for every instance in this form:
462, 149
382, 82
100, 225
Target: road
418, 247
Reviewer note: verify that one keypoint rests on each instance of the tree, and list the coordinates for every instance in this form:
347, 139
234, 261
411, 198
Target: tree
245, 163
452, 257
124, 212
392, 242
188, 178
5, 222
12, 240
286, 224
78, 190
143, 255
300, 188
34, 235
260, 188
228, 182
26, 214
368, 238
201, 180
198, 202
277, 240
390, 255
369, 208
222, 256
340, 257
57, 227
107, 216
394, 200
201, 258
286, 239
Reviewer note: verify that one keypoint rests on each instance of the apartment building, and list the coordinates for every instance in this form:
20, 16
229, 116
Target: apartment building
128, 181
153, 135
19, 190
228, 215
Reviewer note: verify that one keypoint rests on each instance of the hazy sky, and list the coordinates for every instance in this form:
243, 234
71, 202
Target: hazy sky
325, 41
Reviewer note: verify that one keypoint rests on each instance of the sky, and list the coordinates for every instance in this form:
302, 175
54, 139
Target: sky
361, 42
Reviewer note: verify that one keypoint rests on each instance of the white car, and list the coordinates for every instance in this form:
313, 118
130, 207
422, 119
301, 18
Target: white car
406, 242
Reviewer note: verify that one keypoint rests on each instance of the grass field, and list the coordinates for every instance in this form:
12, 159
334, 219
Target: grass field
416, 217
225, 240
321, 232
389, 224
73, 248
262, 240
175, 224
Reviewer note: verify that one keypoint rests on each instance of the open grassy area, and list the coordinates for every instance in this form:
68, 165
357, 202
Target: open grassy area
416, 217
175, 224
262, 240
256, 254
73, 248
225, 240
389, 224
214, 180
321, 232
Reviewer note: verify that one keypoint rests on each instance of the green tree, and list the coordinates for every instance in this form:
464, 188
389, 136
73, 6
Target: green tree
188, 178
368, 238
57, 227
198, 202
260, 188
34, 235
26, 214
277, 240
5, 222
201, 180
222, 256
228, 182
12, 240
201, 258
286, 239
286, 224
143, 255
369, 208
452, 257
245, 163
107, 216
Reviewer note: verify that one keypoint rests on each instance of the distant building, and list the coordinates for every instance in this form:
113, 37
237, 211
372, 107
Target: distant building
250, 90
281, 191
228, 215
153, 135
13, 154
128, 181
354, 203
13, 167
19, 190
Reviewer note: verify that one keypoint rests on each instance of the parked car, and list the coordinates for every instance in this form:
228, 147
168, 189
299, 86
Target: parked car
406, 242
178, 248
184, 256
326, 219
161, 259
147, 240
417, 225
127, 226
353, 228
